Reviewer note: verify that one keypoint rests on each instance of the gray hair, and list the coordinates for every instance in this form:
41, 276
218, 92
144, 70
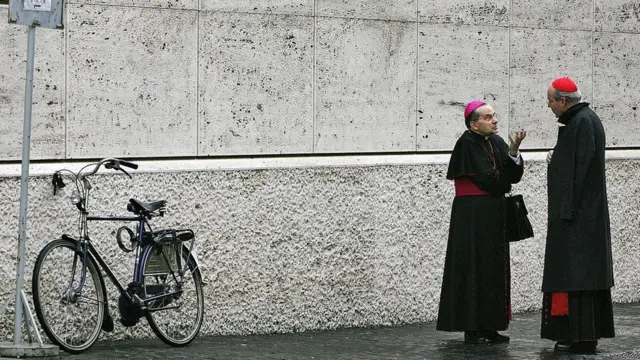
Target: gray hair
572, 97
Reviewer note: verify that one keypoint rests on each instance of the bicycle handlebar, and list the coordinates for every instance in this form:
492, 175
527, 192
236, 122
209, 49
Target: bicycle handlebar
128, 164
81, 175
110, 163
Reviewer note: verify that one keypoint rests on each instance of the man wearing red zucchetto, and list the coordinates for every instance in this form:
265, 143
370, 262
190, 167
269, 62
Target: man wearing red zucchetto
578, 267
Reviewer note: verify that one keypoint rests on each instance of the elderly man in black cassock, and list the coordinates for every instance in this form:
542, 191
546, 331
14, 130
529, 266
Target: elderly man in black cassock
475, 296
578, 267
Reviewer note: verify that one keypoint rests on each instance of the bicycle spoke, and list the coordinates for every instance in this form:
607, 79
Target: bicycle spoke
90, 301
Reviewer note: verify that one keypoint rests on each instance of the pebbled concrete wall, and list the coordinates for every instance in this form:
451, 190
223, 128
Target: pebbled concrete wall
312, 248
215, 78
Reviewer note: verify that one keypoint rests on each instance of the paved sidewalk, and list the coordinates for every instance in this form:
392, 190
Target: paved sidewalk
420, 341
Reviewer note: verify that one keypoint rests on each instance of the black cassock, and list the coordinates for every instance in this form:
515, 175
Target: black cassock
578, 262
475, 291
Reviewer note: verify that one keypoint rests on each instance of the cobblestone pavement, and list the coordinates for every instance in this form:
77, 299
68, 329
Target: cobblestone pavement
419, 341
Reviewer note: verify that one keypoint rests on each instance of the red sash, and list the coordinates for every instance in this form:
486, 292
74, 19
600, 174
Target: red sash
466, 187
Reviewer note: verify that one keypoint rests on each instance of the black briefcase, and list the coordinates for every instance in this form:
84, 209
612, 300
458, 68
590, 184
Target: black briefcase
518, 226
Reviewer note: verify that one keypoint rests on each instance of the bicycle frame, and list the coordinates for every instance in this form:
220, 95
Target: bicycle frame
85, 246
142, 253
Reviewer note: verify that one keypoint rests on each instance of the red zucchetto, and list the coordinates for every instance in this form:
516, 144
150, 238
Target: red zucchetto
472, 106
564, 84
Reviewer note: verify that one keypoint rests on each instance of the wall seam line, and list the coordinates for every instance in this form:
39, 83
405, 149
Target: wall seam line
198, 80
66, 83
313, 80
417, 107
593, 65
509, 39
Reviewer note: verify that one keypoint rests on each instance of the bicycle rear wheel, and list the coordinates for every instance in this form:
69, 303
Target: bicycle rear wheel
176, 319
70, 313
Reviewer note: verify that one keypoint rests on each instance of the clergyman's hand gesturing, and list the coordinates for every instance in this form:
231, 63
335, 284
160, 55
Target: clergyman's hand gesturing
514, 142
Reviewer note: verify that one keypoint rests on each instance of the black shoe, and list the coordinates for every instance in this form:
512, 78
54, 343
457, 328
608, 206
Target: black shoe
579, 347
495, 337
473, 337
583, 347
562, 346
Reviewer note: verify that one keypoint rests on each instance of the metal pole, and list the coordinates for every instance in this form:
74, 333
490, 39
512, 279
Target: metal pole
24, 182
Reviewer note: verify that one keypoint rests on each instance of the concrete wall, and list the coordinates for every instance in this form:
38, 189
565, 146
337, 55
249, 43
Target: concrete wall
317, 246
199, 78
293, 249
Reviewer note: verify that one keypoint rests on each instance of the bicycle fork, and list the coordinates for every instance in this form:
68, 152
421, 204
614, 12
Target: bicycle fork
72, 293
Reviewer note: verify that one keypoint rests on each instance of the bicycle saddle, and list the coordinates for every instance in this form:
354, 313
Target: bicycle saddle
136, 206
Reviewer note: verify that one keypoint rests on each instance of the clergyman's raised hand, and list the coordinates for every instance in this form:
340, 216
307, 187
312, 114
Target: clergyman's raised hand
515, 140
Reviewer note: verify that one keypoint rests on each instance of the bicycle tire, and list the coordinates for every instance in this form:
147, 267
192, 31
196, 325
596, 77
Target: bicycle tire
44, 281
193, 277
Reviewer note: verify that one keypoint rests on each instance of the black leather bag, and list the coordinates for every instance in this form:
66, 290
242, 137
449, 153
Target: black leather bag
518, 226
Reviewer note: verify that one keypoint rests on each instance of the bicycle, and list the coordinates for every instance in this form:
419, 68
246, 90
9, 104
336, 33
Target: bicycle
67, 277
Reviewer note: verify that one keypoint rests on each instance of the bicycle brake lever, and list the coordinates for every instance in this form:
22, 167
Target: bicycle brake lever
57, 182
125, 171
115, 165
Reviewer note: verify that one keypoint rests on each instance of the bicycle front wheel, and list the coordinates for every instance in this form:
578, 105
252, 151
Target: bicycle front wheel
70, 311
177, 313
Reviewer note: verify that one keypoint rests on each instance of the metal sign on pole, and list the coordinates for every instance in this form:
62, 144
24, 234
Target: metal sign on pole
33, 13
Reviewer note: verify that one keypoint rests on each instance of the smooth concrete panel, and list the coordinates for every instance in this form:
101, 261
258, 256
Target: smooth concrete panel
553, 14
132, 75
464, 12
256, 74
47, 116
166, 4
296, 7
618, 15
459, 64
365, 86
616, 83
538, 56
405, 10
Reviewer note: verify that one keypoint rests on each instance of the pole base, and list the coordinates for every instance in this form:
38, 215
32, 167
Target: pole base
28, 350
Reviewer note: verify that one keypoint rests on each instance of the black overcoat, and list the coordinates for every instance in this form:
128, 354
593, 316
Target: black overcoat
578, 248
